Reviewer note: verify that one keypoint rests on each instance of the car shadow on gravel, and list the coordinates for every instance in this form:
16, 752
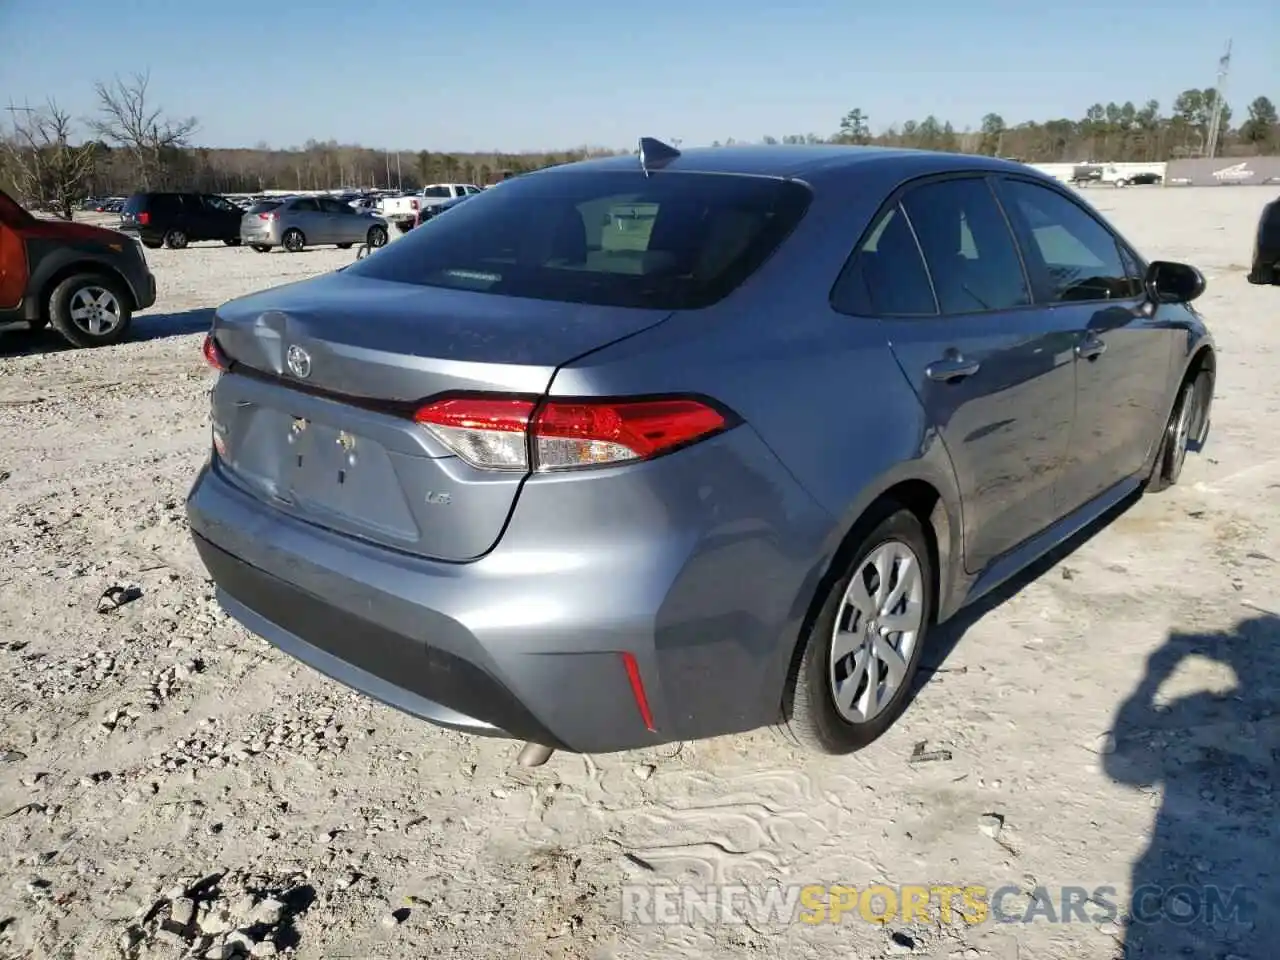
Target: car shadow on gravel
1207, 884
20, 342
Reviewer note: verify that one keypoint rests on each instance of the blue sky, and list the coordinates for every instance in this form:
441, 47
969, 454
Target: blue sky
510, 75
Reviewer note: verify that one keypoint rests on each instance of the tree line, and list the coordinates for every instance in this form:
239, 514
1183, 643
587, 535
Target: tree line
133, 144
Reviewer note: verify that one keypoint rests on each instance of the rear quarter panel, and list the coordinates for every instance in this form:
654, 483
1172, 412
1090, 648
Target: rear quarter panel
821, 390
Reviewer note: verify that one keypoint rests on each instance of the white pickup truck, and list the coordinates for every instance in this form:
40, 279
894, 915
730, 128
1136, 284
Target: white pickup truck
403, 211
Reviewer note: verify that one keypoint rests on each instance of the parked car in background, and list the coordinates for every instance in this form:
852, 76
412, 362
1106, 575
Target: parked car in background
403, 211
174, 220
296, 223
553, 469
86, 281
1266, 247
430, 213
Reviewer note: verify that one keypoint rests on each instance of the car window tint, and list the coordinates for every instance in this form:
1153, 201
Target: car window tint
437, 192
676, 241
306, 205
886, 276
264, 206
1081, 256
967, 246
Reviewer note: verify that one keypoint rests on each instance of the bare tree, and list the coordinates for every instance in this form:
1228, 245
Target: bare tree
48, 170
129, 121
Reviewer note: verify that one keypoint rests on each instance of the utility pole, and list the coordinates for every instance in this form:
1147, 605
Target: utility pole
386, 155
399, 176
1219, 95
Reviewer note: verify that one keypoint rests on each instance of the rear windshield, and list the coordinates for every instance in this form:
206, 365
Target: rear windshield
264, 206
670, 241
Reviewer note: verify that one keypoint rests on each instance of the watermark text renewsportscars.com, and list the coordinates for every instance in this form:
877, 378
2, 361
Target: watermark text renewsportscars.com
670, 904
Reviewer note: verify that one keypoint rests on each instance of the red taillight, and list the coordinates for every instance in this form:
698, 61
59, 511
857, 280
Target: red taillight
413, 204
266, 216
144, 218
496, 433
213, 353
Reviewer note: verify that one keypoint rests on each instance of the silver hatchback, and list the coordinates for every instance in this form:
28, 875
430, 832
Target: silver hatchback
296, 223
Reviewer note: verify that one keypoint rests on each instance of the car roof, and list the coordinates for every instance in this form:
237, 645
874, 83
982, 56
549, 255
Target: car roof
801, 161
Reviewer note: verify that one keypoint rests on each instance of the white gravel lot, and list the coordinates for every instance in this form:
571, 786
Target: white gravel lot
158, 763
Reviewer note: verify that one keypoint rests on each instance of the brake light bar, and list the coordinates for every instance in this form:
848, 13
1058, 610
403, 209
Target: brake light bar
500, 433
144, 217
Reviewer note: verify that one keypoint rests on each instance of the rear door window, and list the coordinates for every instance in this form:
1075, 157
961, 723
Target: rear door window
887, 276
167, 204
672, 241
967, 245
305, 205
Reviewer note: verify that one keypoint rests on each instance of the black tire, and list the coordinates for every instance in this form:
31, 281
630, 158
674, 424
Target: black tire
810, 717
235, 242
344, 246
176, 240
78, 332
153, 244
261, 247
1174, 440
376, 237
294, 241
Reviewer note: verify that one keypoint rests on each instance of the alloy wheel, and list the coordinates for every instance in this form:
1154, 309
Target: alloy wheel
876, 631
95, 310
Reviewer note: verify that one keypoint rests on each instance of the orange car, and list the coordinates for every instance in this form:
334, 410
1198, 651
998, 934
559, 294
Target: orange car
86, 281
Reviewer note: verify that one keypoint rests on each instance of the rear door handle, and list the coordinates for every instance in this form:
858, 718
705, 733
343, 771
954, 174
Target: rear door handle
951, 369
1091, 348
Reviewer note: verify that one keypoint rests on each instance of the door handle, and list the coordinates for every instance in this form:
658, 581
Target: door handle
1090, 349
951, 369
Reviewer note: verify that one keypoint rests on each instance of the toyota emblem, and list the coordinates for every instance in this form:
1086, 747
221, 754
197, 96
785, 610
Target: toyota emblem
299, 362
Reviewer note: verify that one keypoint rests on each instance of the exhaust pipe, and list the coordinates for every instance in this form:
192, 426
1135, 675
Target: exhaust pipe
534, 755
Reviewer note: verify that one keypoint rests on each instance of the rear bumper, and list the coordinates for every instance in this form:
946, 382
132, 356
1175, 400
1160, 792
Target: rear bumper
430, 684
526, 642
269, 237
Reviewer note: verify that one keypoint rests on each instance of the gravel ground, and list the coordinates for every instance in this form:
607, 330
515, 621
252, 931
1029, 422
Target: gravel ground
170, 786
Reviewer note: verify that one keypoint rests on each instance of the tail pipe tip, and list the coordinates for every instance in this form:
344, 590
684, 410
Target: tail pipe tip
534, 755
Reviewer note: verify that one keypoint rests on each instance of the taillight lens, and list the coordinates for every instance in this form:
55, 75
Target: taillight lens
213, 353
413, 204
498, 433
144, 218
266, 216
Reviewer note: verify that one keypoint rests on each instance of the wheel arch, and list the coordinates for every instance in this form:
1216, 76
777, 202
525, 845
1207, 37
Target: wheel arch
1204, 361
932, 495
49, 280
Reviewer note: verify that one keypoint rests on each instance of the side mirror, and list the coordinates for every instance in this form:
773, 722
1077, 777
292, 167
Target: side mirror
1170, 282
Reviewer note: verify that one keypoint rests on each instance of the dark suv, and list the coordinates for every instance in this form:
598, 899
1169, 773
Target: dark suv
1266, 248
175, 219
86, 281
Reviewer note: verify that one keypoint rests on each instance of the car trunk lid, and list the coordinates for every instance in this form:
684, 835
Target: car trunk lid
315, 414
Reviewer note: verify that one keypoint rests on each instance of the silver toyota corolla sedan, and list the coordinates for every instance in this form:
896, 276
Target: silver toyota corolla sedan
650, 449
296, 223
